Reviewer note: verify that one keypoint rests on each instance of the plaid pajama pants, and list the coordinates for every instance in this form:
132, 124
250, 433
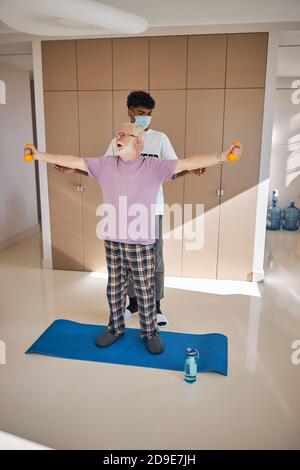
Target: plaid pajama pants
124, 259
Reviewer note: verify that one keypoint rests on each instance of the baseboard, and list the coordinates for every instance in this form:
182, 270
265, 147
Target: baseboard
19, 237
258, 276
47, 264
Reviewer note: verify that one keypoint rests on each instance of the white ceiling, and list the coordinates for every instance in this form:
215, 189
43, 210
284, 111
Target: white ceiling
170, 13
204, 12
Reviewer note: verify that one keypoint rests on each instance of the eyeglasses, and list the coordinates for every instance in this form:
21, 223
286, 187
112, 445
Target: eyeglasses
123, 134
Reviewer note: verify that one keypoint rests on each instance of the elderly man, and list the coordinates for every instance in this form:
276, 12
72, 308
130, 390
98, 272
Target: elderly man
131, 252
140, 108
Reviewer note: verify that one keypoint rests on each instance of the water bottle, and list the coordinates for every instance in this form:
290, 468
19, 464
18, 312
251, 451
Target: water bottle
190, 365
274, 216
290, 218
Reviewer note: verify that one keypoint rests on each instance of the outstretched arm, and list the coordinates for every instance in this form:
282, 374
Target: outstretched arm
66, 170
69, 161
199, 171
200, 161
63, 169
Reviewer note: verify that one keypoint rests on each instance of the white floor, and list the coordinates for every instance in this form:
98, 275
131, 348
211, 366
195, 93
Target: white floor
64, 404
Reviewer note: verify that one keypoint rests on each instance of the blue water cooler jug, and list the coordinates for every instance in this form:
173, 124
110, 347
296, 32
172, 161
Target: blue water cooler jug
274, 215
290, 218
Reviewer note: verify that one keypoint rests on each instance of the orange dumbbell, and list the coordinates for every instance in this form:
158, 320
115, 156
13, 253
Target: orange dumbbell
28, 154
232, 157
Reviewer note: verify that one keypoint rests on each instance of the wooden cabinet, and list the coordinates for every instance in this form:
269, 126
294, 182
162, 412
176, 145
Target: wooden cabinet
206, 61
94, 64
95, 122
120, 112
59, 65
168, 62
209, 91
131, 64
246, 60
95, 131
93, 247
170, 118
243, 120
61, 120
203, 135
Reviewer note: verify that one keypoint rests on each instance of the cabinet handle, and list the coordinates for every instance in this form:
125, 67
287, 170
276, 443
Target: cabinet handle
220, 192
80, 188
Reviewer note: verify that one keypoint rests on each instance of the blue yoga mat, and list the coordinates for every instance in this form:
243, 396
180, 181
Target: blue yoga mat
72, 340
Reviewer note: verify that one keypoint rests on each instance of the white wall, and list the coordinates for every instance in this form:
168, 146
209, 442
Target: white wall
18, 203
264, 171
285, 157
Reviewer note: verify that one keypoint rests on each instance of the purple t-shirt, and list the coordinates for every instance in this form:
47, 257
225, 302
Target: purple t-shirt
129, 196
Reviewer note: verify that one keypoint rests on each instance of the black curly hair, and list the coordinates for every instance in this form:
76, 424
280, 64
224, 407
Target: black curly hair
140, 98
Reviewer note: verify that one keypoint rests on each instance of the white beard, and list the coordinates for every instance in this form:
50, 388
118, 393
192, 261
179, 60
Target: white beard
126, 150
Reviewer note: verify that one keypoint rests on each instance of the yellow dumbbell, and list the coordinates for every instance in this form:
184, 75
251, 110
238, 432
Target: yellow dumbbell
28, 154
232, 157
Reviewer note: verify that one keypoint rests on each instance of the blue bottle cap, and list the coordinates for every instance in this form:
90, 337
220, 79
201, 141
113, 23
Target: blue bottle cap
191, 351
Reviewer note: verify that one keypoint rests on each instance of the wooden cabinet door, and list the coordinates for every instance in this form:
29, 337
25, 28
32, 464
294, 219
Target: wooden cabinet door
130, 64
62, 137
168, 62
243, 121
204, 127
59, 65
94, 64
120, 112
169, 117
93, 247
95, 124
206, 61
246, 60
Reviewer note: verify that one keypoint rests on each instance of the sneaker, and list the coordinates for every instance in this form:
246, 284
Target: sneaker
106, 339
161, 319
129, 314
154, 344
131, 309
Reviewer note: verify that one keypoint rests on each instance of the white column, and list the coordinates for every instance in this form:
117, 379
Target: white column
266, 148
41, 143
